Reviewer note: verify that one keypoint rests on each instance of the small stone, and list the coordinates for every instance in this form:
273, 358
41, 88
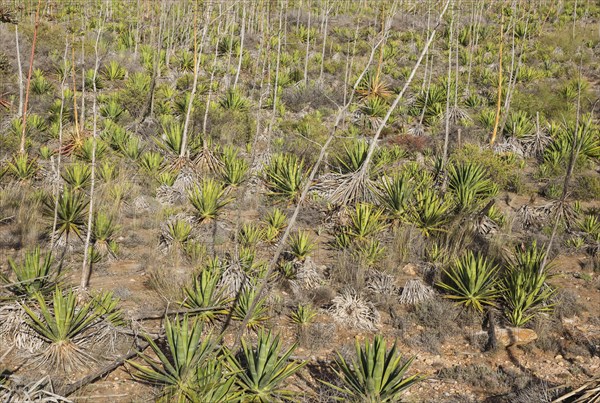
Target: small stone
558, 357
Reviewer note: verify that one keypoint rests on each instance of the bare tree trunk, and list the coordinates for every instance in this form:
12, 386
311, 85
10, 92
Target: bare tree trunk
447, 129
195, 84
327, 11
20, 112
242, 35
155, 65
282, 243
60, 143
307, 48
35, 29
371, 152
86, 267
277, 64
82, 116
210, 85
499, 104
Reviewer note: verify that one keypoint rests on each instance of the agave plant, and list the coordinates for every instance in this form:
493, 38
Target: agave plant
519, 125
151, 161
300, 244
234, 169
70, 218
263, 369
103, 233
429, 212
78, 175
302, 315
524, 289
234, 101
63, 326
471, 281
32, 275
112, 110
394, 194
376, 374
470, 184
373, 86
241, 308
22, 166
284, 175
177, 369
275, 222
353, 157
39, 83
209, 198
87, 149
172, 138
113, 71
205, 295
132, 148
366, 220
250, 235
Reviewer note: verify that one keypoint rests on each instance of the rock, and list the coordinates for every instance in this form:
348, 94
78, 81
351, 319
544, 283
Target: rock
512, 336
410, 269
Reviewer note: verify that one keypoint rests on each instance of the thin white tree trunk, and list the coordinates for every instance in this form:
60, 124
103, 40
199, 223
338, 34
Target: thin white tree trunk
86, 267
60, 143
307, 48
242, 35
21, 89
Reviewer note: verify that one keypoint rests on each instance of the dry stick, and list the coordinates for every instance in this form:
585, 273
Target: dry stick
20, 71
307, 47
35, 29
575, 148
276, 85
60, 142
210, 84
447, 128
242, 34
499, 103
263, 282
155, 65
371, 152
85, 268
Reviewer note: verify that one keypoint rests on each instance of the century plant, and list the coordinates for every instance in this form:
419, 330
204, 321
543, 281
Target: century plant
301, 244
471, 281
366, 220
242, 305
87, 149
205, 295
78, 175
470, 184
70, 213
177, 369
394, 195
353, 157
524, 289
262, 369
113, 71
376, 374
64, 326
234, 169
208, 198
233, 101
32, 275
22, 166
275, 222
151, 161
250, 235
284, 175
104, 229
429, 212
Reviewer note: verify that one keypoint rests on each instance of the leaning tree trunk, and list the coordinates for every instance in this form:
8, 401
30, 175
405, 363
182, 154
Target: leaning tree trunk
35, 29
